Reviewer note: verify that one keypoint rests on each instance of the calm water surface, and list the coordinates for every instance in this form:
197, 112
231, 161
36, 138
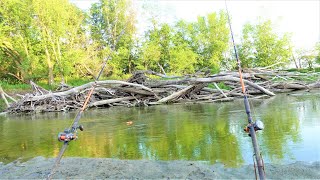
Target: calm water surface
205, 132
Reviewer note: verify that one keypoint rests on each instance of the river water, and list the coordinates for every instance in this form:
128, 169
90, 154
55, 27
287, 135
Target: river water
202, 132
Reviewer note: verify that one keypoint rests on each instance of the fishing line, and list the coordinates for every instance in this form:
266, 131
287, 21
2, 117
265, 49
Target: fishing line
252, 126
71, 133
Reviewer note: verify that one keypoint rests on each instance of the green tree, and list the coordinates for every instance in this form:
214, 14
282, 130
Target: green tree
156, 47
304, 58
209, 38
186, 47
111, 22
182, 59
150, 56
16, 39
246, 49
59, 24
260, 46
307, 58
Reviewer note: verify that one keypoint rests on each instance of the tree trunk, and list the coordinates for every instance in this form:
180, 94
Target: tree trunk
50, 68
161, 68
59, 59
295, 61
299, 63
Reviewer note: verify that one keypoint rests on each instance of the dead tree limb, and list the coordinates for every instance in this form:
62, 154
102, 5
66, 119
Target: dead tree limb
106, 83
229, 78
4, 97
110, 101
11, 98
176, 94
215, 84
141, 90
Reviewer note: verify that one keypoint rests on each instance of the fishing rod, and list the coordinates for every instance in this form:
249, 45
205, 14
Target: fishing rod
252, 127
70, 133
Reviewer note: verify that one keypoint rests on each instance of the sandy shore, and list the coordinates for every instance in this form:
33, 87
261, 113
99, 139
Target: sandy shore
100, 168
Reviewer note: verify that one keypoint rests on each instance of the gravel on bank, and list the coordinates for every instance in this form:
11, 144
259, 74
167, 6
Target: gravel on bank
103, 168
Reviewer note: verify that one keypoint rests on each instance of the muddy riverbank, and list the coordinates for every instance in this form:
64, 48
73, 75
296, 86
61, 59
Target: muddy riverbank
102, 168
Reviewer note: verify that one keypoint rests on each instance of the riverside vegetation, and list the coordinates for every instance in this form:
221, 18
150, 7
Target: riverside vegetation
53, 41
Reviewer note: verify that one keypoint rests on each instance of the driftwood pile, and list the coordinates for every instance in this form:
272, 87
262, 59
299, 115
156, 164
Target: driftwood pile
141, 90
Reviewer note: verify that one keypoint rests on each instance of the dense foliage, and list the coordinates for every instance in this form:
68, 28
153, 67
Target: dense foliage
53, 40
262, 47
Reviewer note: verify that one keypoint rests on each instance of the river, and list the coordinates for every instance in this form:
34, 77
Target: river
202, 132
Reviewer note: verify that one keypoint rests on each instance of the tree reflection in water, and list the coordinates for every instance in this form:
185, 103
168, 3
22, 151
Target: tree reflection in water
204, 132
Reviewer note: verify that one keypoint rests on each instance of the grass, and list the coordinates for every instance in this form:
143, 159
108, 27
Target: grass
78, 82
9, 87
221, 85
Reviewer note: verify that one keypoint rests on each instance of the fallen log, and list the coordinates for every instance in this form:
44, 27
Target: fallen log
229, 78
295, 86
106, 83
176, 94
110, 101
135, 91
211, 80
143, 91
315, 85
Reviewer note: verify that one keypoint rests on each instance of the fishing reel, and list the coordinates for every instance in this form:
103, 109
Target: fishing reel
257, 126
69, 134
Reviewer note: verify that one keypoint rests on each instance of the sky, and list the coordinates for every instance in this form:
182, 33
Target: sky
301, 18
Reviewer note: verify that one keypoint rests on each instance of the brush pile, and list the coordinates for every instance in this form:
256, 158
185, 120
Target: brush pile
141, 90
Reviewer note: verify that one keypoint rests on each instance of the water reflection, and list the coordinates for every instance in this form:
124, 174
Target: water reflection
206, 132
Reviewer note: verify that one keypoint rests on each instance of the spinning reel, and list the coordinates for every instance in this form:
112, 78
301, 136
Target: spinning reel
258, 125
69, 134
